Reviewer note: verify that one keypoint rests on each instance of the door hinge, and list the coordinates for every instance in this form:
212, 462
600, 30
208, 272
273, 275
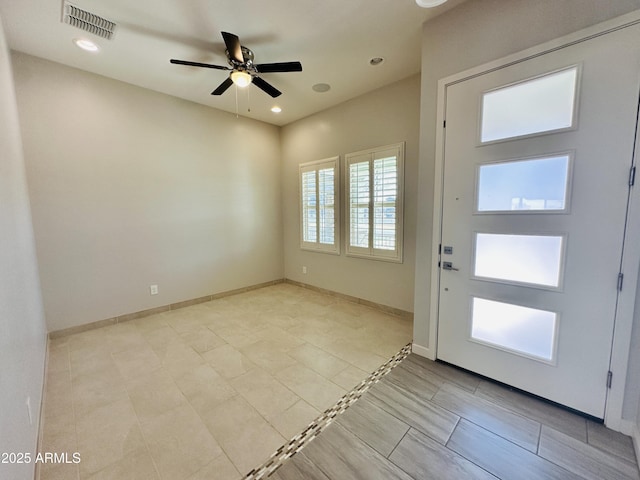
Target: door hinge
439, 249
632, 176
620, 281
609, 378
444, 124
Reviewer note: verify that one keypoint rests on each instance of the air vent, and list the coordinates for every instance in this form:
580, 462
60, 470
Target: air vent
87, 21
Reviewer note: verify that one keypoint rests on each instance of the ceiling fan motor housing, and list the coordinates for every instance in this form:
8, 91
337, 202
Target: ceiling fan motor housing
240, 59
247, 65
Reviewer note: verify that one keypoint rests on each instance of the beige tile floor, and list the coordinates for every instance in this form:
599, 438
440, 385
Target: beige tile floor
209, 391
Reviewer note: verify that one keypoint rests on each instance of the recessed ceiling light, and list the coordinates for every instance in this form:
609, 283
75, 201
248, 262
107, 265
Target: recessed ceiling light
376, 61
85, 44
321, 87
430, 3
276, 109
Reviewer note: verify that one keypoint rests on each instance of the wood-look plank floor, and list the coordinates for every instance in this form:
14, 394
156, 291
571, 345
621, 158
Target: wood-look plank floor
427, 420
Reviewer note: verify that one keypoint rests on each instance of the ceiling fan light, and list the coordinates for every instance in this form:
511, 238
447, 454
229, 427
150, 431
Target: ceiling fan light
241, 79
430, 3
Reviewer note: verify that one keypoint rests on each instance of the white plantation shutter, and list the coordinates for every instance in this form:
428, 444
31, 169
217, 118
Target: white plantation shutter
374, 202
309, 225
385, 181
318, 206
359, 203
326, 205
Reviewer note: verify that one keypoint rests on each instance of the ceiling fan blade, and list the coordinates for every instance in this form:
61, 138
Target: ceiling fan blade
223, 87
266, 87
197, 64
279, 67
233, 46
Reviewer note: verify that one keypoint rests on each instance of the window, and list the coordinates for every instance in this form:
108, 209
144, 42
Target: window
535, 260
521, 330
374, 202
527, 185
539, 105
319, 219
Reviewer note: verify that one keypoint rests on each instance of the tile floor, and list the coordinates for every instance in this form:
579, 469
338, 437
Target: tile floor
209, 391
426, 420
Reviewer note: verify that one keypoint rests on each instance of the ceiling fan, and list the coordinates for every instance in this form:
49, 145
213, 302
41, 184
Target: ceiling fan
243, 70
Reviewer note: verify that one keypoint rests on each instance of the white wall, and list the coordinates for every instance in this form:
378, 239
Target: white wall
385, 116
22, 328
631, 407
130, 188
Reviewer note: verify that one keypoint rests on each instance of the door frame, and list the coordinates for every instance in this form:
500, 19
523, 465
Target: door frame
630, 266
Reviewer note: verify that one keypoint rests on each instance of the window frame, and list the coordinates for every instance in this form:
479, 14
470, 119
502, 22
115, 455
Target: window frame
370, 155
316, 166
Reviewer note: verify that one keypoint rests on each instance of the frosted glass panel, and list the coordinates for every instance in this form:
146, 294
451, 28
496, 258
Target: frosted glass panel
532, 259
519, 329
536, 184
540, 105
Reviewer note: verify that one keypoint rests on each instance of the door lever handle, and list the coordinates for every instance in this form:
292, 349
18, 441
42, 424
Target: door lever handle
449, 266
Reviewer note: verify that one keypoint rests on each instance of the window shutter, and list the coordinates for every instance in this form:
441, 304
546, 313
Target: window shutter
359, 204
319, 219
309, 224
326, 205
385, 174
374, 207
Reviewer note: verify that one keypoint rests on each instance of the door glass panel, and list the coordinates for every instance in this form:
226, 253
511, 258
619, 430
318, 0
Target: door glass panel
542, 104
518, 329
529, 259
534, 184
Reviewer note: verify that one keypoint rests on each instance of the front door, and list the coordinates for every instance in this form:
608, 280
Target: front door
537, 157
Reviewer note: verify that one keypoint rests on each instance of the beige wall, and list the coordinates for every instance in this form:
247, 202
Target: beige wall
385, 116
22, 328
131, 188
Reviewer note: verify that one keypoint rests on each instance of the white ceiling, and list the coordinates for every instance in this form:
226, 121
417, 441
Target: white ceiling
334, 40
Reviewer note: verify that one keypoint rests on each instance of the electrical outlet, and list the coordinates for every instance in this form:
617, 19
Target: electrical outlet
304, 270
153, 289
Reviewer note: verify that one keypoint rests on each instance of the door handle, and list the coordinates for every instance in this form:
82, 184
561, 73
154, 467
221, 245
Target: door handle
449, 266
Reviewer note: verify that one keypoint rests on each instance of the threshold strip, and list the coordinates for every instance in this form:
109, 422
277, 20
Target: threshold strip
298, 442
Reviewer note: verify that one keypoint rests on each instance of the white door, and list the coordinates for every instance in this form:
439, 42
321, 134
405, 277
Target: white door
537, 157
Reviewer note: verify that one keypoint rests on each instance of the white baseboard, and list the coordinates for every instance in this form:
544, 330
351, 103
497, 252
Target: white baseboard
37, 471
623, 426
632, 429
635, 436
423, 351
